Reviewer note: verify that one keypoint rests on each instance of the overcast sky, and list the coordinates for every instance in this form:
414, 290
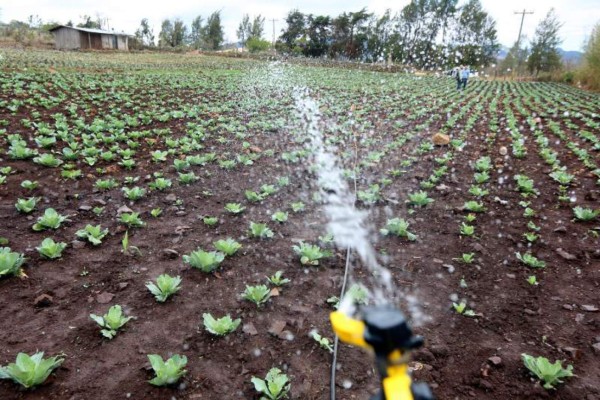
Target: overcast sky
579, 16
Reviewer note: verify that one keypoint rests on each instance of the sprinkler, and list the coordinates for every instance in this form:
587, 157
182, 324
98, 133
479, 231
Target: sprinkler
385, 331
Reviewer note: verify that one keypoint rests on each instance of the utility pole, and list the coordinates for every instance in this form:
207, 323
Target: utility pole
521, 27
273, 21
518, 44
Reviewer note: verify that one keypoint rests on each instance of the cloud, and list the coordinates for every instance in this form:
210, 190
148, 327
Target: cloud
579, 16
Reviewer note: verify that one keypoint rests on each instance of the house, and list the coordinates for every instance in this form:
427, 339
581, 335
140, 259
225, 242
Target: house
72, 38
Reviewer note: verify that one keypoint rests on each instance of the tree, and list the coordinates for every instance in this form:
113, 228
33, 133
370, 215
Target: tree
516, 60
258, 27
424, 27
381, 38
294, 33
318, 32
244, 29
165, 37
88, 22
350, 34
172, 33
358, 33
475, 41
212, 32
179, 33
144, 33
589, 72
195, 38
544, 46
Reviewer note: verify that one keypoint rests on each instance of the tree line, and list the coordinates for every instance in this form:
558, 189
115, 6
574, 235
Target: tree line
426, 34
202, 34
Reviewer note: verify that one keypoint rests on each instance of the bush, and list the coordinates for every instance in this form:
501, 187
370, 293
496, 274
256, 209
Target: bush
589, 73
256, 45
568, 77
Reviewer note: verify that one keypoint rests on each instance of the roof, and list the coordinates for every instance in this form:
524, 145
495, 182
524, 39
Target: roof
90, 30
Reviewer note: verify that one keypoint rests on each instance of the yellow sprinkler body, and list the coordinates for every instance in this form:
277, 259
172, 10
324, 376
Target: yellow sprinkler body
384, 331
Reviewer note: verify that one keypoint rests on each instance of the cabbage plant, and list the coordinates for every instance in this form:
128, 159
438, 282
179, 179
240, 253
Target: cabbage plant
30, 371
221, 326
10, 262
275, 386
51, 249
167, 372
111, 321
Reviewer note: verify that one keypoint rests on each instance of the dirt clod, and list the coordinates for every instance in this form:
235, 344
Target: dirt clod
43, 300
104, 297
440, 139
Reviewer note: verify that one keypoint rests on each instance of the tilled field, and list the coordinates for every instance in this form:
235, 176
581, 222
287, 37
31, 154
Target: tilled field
162, 149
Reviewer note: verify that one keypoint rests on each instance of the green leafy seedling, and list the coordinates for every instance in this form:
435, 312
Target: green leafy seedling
358, 294
398, 227
310, 254
167, 372
210, 221
470, 218
323, 341
275, 386
467, 230
254, 197
164, 287
135, 193
260, 230
530, 260
51, 249
234, 208
419, 199
93, 234
474, 206
280, 216
50, 220
466, 258
462, 309
550, 374
111, 322
585, 214
206, 261
29, 185
258, 294
30, 371
531, 236
10, 262
228, 246
26, 206
277, 279
298, 207
221, 326
132, 220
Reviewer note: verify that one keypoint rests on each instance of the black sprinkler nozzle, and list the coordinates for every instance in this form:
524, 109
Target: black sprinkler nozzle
388, 330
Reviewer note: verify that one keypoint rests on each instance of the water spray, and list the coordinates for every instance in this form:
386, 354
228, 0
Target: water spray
382, 328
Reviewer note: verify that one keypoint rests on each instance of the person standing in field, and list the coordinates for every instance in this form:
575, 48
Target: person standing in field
464, 76
456, 73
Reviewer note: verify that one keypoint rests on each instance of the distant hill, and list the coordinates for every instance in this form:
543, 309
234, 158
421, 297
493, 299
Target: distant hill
570, 56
